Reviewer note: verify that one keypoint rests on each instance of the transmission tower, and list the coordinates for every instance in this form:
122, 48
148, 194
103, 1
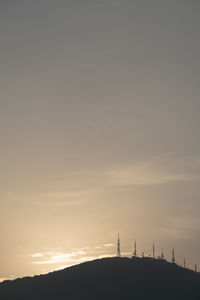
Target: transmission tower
162, 254
153, 250
118, 247
173, 256
135, 250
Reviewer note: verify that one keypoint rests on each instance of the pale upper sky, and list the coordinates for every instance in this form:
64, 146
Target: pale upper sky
99, 115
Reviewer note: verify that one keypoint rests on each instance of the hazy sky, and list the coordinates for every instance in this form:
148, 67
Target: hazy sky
99, 128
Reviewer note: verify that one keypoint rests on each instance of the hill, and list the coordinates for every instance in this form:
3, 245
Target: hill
107, 279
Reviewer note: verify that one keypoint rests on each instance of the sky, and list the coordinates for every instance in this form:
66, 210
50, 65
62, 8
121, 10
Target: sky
99, 131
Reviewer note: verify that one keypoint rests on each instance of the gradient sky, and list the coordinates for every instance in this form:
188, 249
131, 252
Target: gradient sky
99, 128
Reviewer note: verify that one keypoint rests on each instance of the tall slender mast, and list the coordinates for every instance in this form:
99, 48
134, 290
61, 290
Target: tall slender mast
173, 256
118, 247
153, 250
135, 250
162, 254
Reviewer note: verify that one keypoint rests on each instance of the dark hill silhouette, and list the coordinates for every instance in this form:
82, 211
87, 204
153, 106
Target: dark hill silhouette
107, 279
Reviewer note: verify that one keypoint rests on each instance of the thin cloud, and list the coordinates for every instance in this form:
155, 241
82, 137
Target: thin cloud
63, 198
37, 255
76, 256
182, 227
108, 245
77, 188
155, 171
69, 258
55, 258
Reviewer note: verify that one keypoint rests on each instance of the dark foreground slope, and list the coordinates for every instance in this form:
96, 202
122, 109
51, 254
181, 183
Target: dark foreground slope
110, 278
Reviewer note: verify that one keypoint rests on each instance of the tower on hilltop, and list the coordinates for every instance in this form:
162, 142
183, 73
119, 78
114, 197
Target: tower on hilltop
118, 247
153, 250
162, 254
173, 256
135, 250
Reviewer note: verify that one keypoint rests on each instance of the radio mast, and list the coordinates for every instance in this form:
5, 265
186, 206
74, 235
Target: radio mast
173, 256
118, 247
135, 250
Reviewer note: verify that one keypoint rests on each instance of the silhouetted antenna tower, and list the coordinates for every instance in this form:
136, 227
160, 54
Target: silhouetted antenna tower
162, 254
173, 256
153, 250
135, 250
118, 247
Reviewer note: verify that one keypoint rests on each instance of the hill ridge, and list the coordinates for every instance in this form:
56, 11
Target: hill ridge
108, 278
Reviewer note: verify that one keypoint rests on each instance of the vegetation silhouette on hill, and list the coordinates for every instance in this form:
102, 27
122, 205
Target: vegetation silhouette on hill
107, 279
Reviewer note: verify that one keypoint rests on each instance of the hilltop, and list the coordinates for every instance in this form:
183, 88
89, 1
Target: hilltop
108, 278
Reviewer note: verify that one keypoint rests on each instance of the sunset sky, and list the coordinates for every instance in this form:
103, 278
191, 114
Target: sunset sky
100, 131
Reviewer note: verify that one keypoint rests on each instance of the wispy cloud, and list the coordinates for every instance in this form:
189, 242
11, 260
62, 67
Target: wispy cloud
61, 258
68, 259
108, 245
37, 255
181, 227
57, 257
157, 170
63, 198
77, 188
